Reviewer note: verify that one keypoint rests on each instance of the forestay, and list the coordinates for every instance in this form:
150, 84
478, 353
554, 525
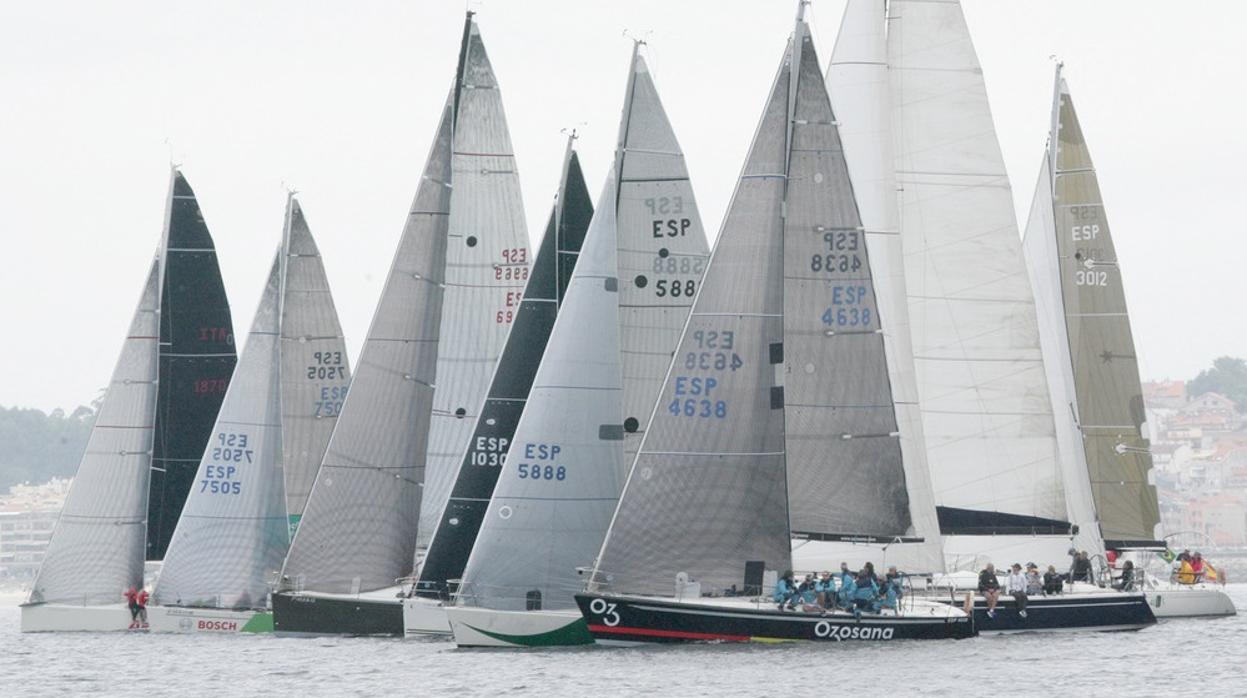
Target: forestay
494, 433
985, 407
1073, 240
96, 550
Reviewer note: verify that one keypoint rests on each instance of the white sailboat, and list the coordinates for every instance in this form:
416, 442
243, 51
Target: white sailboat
611, 346
268, 441
173, 371
451, 543
1092, 363
439, 328
794, 433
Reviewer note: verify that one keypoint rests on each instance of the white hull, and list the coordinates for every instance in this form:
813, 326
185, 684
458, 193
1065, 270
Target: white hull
51, 617
1179, 601
178, 619
424, 617
484, 627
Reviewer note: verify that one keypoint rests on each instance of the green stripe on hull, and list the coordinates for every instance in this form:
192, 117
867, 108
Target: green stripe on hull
574, 633
261, 622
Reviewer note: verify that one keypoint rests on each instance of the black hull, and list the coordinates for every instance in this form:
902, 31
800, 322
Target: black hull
1064, 613
302, 614
631, 619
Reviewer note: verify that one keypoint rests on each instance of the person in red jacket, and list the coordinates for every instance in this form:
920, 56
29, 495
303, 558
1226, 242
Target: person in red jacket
141, 601
132, 600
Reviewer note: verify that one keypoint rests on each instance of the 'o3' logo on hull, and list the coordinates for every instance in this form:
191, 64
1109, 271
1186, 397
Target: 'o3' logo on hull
826, 631
607, 610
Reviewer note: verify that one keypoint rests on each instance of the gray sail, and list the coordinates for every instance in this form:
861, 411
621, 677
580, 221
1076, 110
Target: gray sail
315, 372
1109, 402
97, 546
487, 264
707, 492
561, 478
232, 535
662, 247
986, 414
358, 529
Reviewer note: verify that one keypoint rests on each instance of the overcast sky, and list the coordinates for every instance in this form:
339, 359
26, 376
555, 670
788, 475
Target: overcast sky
340, 99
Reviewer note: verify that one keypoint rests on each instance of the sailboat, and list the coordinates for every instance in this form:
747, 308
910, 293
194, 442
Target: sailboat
608, 353
269, 438
152, 427
423, 374
794, 432
1004, 492
1091, 359
465, 509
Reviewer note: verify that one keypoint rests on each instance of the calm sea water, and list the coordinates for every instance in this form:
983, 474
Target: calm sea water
1174, 658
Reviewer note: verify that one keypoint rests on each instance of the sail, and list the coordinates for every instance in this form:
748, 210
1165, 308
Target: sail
561, 479
486, 270
197, 358
707, 492
609, 352
96, 549
315, 372
232, 535
358, 529
986, 415
426, 364
857, 82
662, 247
494, 432
1108, 402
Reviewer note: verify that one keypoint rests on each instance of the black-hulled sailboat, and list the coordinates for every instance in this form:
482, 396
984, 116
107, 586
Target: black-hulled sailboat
151, 430
790, 431
448, 303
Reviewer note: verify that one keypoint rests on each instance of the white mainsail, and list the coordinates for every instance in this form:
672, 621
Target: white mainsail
609, 350
986, 413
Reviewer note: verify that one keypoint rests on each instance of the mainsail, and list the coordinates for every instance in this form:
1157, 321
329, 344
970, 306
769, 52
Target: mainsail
197, 358
985, 406
608, 353
1093, 366
235, 527
494, 433
174, 367
439, 327
777, 407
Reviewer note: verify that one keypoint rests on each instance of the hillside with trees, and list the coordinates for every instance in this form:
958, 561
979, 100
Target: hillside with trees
36, 447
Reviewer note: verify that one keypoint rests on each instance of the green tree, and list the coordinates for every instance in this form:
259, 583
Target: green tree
1228, 376
36, 447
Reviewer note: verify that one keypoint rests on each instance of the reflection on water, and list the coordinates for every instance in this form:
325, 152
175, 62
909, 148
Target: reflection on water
1170, 658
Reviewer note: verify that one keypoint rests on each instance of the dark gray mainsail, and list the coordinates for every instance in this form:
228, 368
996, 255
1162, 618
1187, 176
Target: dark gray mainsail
425, 368
1073, 258
775, 415
552, 269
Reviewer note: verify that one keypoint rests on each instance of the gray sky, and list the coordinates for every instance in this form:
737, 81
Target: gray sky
339, 100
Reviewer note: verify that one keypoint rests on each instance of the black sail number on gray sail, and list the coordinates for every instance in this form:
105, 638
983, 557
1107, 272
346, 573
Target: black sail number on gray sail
96, 550
706, 492
840, 424
495, 428
1106, 369
197, 358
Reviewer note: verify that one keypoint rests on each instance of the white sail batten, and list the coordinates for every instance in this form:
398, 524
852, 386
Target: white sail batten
487, 266
96, 550
232, 535
986, 411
